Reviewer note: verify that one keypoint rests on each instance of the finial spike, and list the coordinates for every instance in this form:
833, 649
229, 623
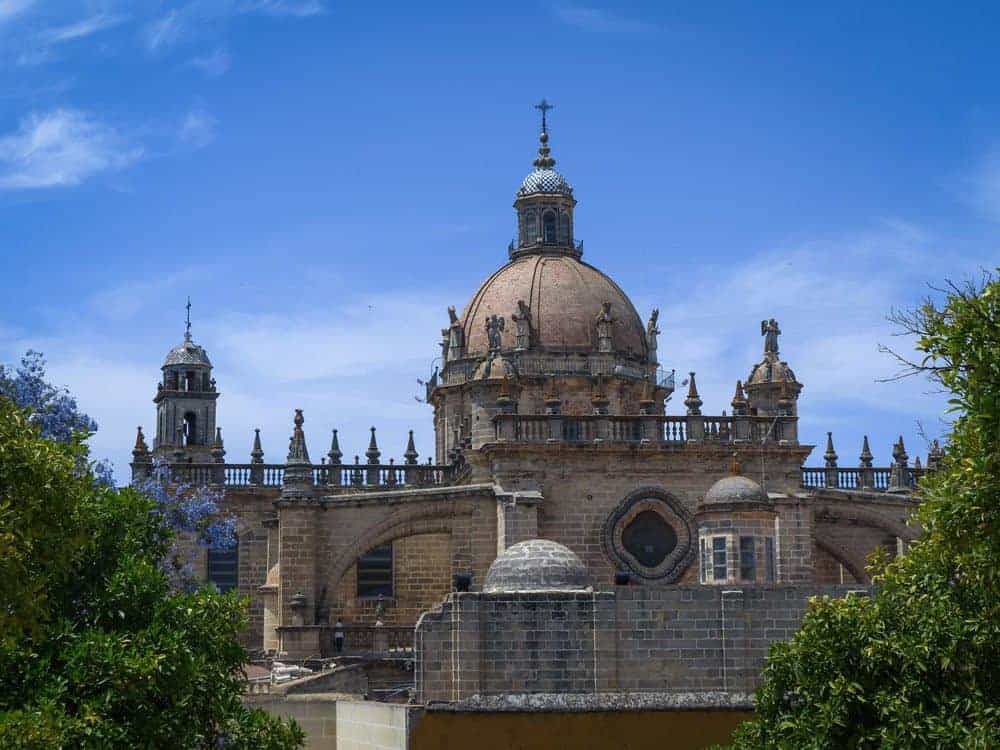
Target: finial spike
335, 453
373, 452
187, 322
831, 455
693, 401
411, 454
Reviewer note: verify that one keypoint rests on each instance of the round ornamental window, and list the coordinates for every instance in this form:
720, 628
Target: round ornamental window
649, 538
650, 534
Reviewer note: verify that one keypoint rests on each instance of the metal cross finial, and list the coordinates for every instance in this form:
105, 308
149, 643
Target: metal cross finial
187, 331
543, 106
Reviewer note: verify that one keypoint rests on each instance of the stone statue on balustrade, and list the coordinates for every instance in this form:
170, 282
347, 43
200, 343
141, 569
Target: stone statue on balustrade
603, 323
455, 338
522, 321
770, 331
652, 331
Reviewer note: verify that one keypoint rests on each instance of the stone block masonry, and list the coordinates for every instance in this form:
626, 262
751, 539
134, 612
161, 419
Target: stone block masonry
683, 639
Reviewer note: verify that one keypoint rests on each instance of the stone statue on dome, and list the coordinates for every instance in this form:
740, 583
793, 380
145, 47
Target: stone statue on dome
770, 331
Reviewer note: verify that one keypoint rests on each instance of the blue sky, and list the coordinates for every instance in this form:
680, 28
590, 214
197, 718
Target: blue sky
324, 178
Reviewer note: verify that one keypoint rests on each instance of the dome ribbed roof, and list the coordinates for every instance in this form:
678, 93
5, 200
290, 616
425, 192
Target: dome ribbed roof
735, 489
536, 565
564, 296
187, 353
545, 181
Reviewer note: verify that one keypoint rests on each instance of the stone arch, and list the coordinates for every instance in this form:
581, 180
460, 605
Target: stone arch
396, 526
850, 561
868, 518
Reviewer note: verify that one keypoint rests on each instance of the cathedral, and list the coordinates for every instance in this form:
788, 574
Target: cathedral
560, 464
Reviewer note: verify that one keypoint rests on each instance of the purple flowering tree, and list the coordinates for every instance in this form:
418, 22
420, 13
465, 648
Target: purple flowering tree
54, 410
193, 512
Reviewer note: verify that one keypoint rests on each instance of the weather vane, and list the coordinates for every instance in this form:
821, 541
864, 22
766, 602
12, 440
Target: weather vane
187, 331
543, 106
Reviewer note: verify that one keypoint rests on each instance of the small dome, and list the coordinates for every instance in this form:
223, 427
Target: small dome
771, 370
735, 489
187, 353
545, 181
536, 565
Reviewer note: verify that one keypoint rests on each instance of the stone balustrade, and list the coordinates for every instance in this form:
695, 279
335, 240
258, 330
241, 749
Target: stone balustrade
675, 430
356, 476
872, 478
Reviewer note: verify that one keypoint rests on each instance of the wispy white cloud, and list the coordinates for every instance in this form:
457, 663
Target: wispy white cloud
297, 8
11, 8
197, 129
163, 31
214, 64
83, 28
831, 297
599, 20
61, 148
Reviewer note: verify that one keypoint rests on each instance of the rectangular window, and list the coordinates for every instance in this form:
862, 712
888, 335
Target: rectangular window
223, 570
719, 572
704, 561
748, 559
375, 572
769, 559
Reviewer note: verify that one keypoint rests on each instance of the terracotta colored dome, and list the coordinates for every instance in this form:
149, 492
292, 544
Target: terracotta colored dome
565, 297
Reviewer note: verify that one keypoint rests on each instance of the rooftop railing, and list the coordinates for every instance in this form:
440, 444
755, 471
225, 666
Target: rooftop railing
332, 476
673, 430
871, 478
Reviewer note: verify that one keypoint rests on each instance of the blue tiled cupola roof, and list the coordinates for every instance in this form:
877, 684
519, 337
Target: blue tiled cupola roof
543, 178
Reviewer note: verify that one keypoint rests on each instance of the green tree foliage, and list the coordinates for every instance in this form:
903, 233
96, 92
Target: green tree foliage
918, 664
96, 649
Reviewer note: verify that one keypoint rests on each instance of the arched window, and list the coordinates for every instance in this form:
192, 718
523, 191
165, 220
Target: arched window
190, 428
530, 227
564, 234
189, 381
549, 228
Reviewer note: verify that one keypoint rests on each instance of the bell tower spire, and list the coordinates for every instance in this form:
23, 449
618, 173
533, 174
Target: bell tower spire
185, 401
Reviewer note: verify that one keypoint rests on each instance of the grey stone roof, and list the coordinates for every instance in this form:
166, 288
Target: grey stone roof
187, 353
735, 489
536, 565
545, 181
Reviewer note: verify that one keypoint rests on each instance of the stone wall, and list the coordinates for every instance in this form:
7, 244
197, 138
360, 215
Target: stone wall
636, 639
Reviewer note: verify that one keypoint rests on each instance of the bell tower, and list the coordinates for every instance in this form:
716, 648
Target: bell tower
185, 403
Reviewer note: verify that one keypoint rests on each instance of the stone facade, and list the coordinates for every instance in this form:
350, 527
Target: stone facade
554, 419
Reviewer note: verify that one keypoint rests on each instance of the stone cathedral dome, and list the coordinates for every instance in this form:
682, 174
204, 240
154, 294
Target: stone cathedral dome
564, 296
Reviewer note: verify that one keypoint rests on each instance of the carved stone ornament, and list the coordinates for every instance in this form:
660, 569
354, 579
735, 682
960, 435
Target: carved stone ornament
651, 534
